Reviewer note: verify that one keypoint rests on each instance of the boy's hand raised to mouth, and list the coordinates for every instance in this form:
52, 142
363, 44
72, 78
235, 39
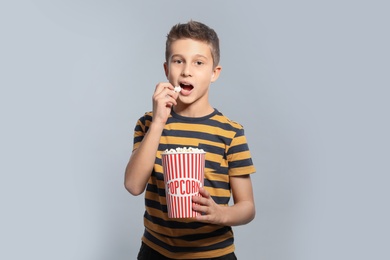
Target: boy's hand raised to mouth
164, 98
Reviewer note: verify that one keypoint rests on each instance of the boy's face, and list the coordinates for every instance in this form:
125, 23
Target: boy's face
190, 65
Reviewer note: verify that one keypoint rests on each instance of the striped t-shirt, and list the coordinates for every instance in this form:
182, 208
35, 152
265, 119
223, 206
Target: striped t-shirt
227, 154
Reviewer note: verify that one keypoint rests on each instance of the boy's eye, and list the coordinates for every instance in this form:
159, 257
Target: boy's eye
177, 61
199, 63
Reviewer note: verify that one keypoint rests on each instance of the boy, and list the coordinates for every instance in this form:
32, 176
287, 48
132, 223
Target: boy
187, 119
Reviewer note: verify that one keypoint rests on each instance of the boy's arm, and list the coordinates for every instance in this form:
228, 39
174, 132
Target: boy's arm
242, 212
142, 160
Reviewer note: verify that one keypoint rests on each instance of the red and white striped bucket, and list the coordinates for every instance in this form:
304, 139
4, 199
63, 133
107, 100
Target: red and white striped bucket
183, 175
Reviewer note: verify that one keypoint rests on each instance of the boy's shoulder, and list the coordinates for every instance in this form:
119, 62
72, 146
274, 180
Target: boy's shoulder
221, 118
145, 119
147, 115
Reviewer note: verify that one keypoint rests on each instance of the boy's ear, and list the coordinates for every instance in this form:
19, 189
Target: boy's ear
216, 72
166, 69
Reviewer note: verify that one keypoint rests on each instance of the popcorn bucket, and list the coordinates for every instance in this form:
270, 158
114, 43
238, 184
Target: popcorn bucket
183, 176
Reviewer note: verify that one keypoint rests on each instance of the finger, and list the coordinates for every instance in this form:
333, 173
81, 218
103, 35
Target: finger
165, 92
160, 87
204, 192
166, 96
201, 209
200, 200
203, 218
171, 98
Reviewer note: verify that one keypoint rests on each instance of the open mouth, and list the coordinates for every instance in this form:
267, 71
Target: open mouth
186, 87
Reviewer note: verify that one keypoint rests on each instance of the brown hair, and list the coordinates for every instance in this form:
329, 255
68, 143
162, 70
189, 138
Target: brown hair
196, 31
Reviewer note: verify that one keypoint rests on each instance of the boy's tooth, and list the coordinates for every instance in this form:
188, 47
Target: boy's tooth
177, 89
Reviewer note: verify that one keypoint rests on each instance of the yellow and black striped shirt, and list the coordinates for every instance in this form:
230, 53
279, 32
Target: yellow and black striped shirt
227, 154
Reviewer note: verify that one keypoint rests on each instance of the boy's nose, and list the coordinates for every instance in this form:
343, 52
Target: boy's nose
186, 71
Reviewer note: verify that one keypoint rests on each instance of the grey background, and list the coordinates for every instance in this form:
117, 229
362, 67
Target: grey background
309, 80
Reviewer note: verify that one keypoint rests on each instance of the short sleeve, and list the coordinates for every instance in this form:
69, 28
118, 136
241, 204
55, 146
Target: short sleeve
140, 129
239, 156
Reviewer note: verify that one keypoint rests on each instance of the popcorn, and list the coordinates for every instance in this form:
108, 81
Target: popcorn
183, 170
177, 89
184, 150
